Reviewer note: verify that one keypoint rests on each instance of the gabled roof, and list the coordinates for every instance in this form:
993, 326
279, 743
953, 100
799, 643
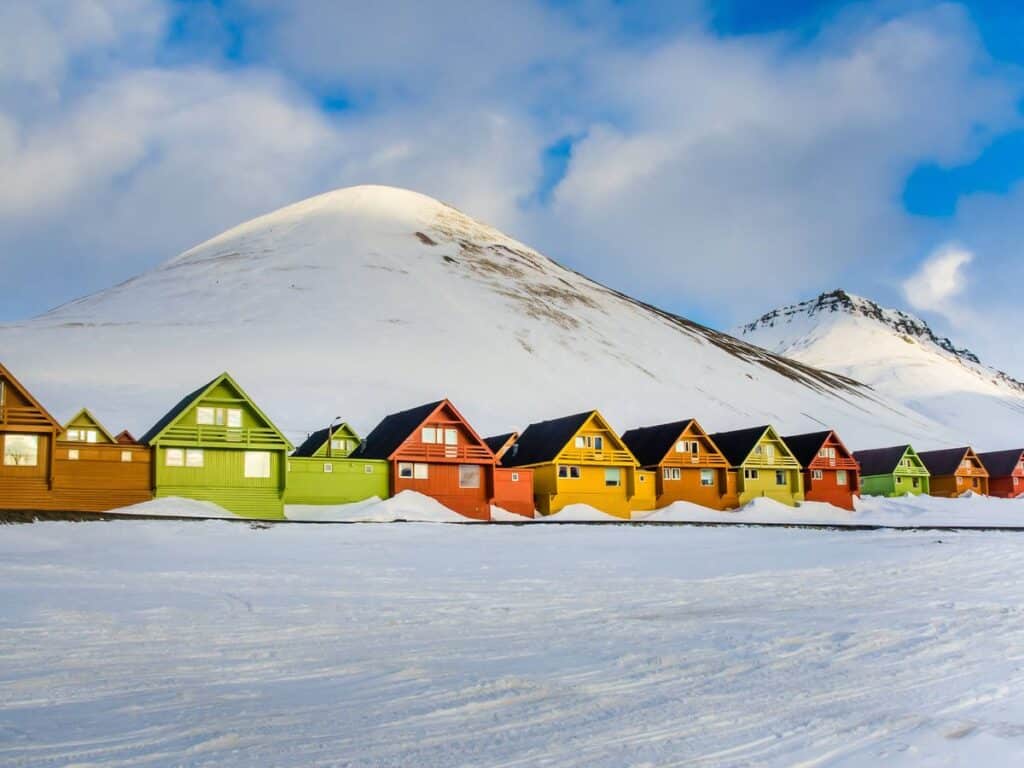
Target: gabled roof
6, 374
944, 462
92, 420
805, 447
542, 441
880, 461
388, 436
737, 445
650, 445
1002, 463
318, 439
124, 437
183, 405
497, 443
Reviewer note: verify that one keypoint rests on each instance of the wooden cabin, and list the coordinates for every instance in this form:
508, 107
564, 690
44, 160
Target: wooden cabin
216, 445
955, 471
28, 434
1005, 472
686, 463
321, 470
831, 474
433, 450
95, 472
580, 459
893, 471
764, 465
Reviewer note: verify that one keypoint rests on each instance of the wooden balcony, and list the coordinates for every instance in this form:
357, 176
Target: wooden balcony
435, 452
209, 434
708, 460
25, 417
590, 456
776, 461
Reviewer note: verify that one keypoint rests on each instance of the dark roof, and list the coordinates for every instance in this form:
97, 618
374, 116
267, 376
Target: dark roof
805, 447
544, 440
497, 442
315, 441
944, 462
651, 444
124, 437
1001, 463
387, 436
738, 444
174, 413
880, 461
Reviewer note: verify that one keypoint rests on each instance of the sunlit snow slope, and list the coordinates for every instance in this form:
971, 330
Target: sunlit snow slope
902, 359
369, 299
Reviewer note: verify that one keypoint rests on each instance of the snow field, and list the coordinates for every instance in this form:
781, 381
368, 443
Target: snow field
201, 643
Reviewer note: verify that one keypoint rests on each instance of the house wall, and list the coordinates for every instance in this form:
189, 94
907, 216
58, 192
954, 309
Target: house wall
348, 482
100, 480
765, 485
222, 480
514, 495
828, 489
442, 484
590, 489
953, 486
904, 484
1006, 487
722, 495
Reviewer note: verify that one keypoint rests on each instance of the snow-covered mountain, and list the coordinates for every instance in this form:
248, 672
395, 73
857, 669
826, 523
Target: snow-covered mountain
901, 358
369, 299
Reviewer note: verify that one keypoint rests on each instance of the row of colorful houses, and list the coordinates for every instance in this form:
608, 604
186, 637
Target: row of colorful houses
217, 445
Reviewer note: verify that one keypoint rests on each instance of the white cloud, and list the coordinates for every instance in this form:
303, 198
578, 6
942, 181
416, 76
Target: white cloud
939, 281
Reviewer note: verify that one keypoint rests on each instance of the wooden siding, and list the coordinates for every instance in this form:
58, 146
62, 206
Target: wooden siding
513, 491
828, 489
766, 464
347, 482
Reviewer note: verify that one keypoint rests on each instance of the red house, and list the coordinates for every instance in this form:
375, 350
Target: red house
433, 450
831, 474
1005, 472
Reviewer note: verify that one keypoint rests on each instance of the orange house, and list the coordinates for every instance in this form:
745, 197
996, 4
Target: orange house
687, 464
433, 450
831, 474
28, 434
955, 471
1005, 472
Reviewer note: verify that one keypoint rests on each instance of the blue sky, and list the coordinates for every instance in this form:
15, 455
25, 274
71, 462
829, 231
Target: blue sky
716, 158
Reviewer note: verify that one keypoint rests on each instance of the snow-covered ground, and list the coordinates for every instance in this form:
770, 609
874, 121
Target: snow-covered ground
152, 643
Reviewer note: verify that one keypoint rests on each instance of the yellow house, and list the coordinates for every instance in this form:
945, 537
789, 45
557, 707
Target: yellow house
580, 459
763, 463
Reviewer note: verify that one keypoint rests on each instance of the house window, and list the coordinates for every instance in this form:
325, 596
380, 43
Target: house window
917, 482
420, 471
671, 473
707, 477
207, 416
769, 451
405, 469
204, 415
83, 435
126, 457
21, 451
750, 474
823, 453
1016, 481
174, 457
758, 450
469, 475
368, 469
682, 446
328, 468
580, 441
817, 474
342, 445
780, 477
257, 464
451, 437
695, 448
571, 472
841, 478
974, 482
429, 435
515, 477
613, 477
959, 480
598, 443
73, 454
194, 457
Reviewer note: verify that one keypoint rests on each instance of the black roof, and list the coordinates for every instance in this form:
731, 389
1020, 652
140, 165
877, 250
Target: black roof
880, 461
651, 444
315, 441
738, 444
1001, 463
497, 442
544, 440
944, 462
805, 447
174, 413
387, 436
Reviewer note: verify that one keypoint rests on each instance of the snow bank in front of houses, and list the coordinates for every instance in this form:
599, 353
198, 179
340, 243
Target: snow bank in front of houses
407, 506
176, 506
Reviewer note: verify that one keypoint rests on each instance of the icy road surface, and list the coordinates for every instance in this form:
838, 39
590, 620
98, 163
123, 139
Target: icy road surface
160, 643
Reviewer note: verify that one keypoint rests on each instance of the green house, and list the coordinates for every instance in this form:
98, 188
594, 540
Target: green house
321, 472
217, 445
894, 471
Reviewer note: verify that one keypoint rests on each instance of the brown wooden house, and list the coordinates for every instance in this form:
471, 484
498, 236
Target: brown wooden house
687, 464
831, 473
955, 471
1005, 472
433, 450
95, 471
28, 434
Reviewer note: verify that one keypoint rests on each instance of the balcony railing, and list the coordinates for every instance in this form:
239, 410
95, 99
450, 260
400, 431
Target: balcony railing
30, 417
218, 434
590, 456
778, 460
461, 452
